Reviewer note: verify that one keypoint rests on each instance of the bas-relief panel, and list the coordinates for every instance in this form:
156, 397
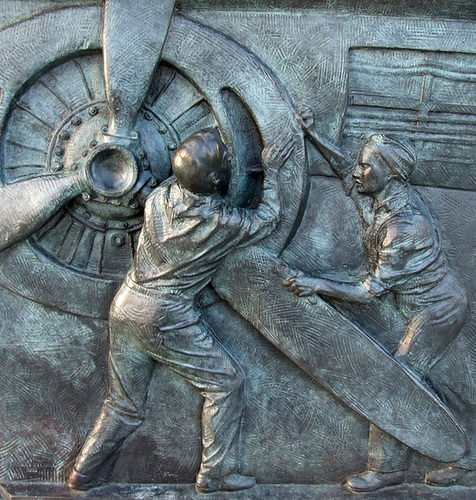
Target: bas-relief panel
313, 369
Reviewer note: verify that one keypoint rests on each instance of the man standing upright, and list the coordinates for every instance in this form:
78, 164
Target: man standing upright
188, 230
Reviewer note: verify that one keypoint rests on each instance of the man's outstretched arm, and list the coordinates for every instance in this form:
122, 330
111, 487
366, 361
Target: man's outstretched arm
26, 205
257, 223
273, 158
250, 225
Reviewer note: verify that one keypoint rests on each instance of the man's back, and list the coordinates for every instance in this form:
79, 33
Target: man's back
185, 237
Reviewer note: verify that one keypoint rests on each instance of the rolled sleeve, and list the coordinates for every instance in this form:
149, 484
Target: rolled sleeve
247, 226
406, 247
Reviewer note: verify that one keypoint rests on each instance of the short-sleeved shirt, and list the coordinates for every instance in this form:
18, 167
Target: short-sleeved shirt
402, 244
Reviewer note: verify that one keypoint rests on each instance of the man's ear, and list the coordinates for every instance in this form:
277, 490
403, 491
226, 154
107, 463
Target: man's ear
214, 179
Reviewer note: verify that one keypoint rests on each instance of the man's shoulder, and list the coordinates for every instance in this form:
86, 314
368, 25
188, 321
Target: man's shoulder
159, 192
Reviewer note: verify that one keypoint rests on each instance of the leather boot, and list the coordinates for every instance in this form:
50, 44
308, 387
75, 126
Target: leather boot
449, 476
232, 482
370, 480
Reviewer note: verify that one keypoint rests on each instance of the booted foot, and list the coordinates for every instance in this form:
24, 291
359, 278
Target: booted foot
370, 480
451, 475
232, 482
81, 482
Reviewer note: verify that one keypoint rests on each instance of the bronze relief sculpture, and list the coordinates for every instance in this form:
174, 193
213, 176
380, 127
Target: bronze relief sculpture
160, 185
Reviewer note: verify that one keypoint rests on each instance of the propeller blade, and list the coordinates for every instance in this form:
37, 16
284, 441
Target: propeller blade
134, 32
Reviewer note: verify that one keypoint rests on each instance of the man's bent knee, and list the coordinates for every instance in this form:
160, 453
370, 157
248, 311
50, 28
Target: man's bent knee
129, 415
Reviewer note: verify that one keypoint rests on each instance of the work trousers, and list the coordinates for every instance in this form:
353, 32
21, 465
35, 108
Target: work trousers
192, 352
435, 323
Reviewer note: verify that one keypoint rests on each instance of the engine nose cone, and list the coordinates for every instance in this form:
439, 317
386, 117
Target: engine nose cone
111, 170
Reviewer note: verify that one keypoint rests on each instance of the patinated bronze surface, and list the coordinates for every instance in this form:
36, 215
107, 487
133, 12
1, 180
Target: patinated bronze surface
235, 236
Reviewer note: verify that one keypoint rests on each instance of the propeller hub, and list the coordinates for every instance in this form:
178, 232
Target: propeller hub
111, 170
120, 171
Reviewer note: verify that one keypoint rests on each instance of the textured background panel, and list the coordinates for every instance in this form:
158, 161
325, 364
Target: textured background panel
53, 382
53, 363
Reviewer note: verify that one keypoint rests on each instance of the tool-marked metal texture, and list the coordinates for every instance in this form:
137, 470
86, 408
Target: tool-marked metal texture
265, 342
